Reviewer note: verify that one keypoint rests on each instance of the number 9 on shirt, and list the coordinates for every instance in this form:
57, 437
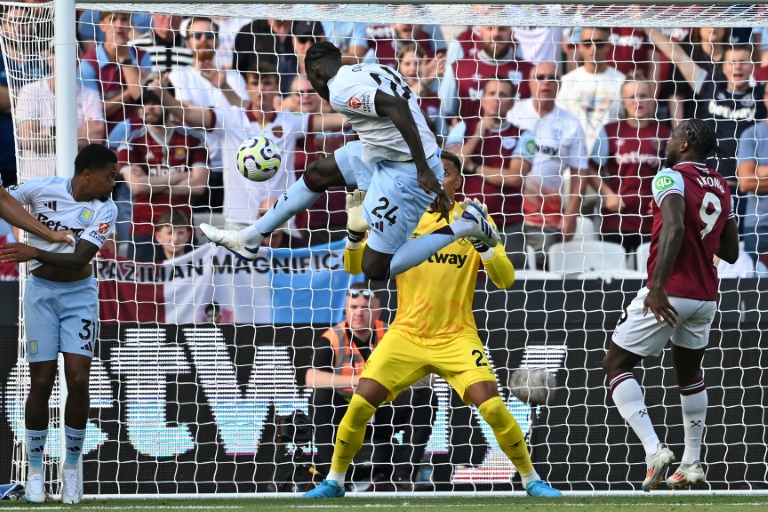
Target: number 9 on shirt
258, 158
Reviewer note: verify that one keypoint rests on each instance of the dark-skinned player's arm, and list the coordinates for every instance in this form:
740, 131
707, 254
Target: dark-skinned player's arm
495, 260
12, 211
399, 111
671, 237
74, 261
729, 242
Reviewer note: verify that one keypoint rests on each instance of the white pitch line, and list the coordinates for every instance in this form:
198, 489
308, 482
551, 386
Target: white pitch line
116, 507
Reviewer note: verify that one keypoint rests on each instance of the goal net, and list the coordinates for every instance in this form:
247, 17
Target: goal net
560, 116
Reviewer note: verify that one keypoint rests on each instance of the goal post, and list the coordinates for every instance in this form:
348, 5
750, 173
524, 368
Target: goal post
200, 368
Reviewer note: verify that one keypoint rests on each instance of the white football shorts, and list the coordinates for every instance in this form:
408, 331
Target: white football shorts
394, 203
642, 335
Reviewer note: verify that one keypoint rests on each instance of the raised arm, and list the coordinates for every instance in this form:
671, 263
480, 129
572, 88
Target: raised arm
675, 53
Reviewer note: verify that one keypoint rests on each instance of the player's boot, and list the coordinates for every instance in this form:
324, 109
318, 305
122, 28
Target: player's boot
481, 228
658, 463
687, 475
35, 489
230, 239
541, 489
71, 493
326, 489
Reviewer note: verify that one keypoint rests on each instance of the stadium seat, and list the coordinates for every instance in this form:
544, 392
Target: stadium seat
585, 230
576, 257
530, 258
641, 258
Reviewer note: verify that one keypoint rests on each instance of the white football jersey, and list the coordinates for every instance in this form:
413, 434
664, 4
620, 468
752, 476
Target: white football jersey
352, 93
242, 197
51, 202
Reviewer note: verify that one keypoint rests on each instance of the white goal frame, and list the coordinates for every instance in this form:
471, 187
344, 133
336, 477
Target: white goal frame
66, 107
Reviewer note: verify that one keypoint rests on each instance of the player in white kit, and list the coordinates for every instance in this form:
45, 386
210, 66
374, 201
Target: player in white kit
396, 161
61, 303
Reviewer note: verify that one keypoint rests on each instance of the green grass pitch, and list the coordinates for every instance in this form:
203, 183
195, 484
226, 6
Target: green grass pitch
514, 503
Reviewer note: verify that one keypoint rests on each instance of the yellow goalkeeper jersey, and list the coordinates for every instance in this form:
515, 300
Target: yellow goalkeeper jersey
434, 299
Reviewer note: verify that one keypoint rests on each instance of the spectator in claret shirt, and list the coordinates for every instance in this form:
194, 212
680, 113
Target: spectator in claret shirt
480, 54
628, 154
114, 69
421, 74
164, 166
384, 41
494, 163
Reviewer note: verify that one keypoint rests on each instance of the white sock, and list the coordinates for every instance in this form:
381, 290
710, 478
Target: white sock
628, 398
416, 251
530, 477
336, 477
693, 399
296, 199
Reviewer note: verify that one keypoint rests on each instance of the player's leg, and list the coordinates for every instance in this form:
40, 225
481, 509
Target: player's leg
509, 435
393, 208
326, 409
392, 367
464, 365
349, 437
344, 167
637, 336
41, 322
693, 401
79, 326
36, 418
688, 345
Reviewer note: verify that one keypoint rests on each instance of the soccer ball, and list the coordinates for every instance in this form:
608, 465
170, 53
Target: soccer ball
258, 158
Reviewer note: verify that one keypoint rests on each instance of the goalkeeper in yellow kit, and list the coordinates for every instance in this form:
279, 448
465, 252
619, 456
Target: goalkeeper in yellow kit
434, 332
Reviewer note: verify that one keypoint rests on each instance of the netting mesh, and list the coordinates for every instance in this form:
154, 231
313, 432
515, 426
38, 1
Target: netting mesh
199, 382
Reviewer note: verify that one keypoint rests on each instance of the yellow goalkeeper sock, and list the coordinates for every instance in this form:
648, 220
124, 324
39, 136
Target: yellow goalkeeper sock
349, 435
508, 434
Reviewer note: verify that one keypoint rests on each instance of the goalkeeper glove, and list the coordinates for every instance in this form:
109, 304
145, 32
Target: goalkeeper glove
485, 251
356, 223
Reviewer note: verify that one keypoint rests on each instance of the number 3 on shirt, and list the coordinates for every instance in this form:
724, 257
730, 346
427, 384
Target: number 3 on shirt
710, 201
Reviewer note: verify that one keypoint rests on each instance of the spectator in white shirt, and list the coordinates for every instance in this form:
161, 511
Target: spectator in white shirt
592, 92
36, 118
555, 139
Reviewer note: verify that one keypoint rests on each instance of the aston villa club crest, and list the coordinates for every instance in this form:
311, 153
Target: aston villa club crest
86, 216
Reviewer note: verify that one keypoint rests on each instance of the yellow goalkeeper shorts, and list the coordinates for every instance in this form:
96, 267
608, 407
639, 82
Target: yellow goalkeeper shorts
401, 359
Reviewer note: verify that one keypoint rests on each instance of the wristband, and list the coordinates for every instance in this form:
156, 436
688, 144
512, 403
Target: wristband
355, 237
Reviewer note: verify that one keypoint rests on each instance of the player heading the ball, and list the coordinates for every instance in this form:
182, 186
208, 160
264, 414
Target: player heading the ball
693, 221
61, 304
396, 161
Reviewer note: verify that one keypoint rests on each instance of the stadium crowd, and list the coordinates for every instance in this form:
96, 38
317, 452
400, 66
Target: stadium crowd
560, 130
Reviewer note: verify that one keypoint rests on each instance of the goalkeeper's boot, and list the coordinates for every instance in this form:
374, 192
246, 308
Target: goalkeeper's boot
482, 230
687, 475
326, 489
71, 493
541, 489
35, 489
230, 239
658, 463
